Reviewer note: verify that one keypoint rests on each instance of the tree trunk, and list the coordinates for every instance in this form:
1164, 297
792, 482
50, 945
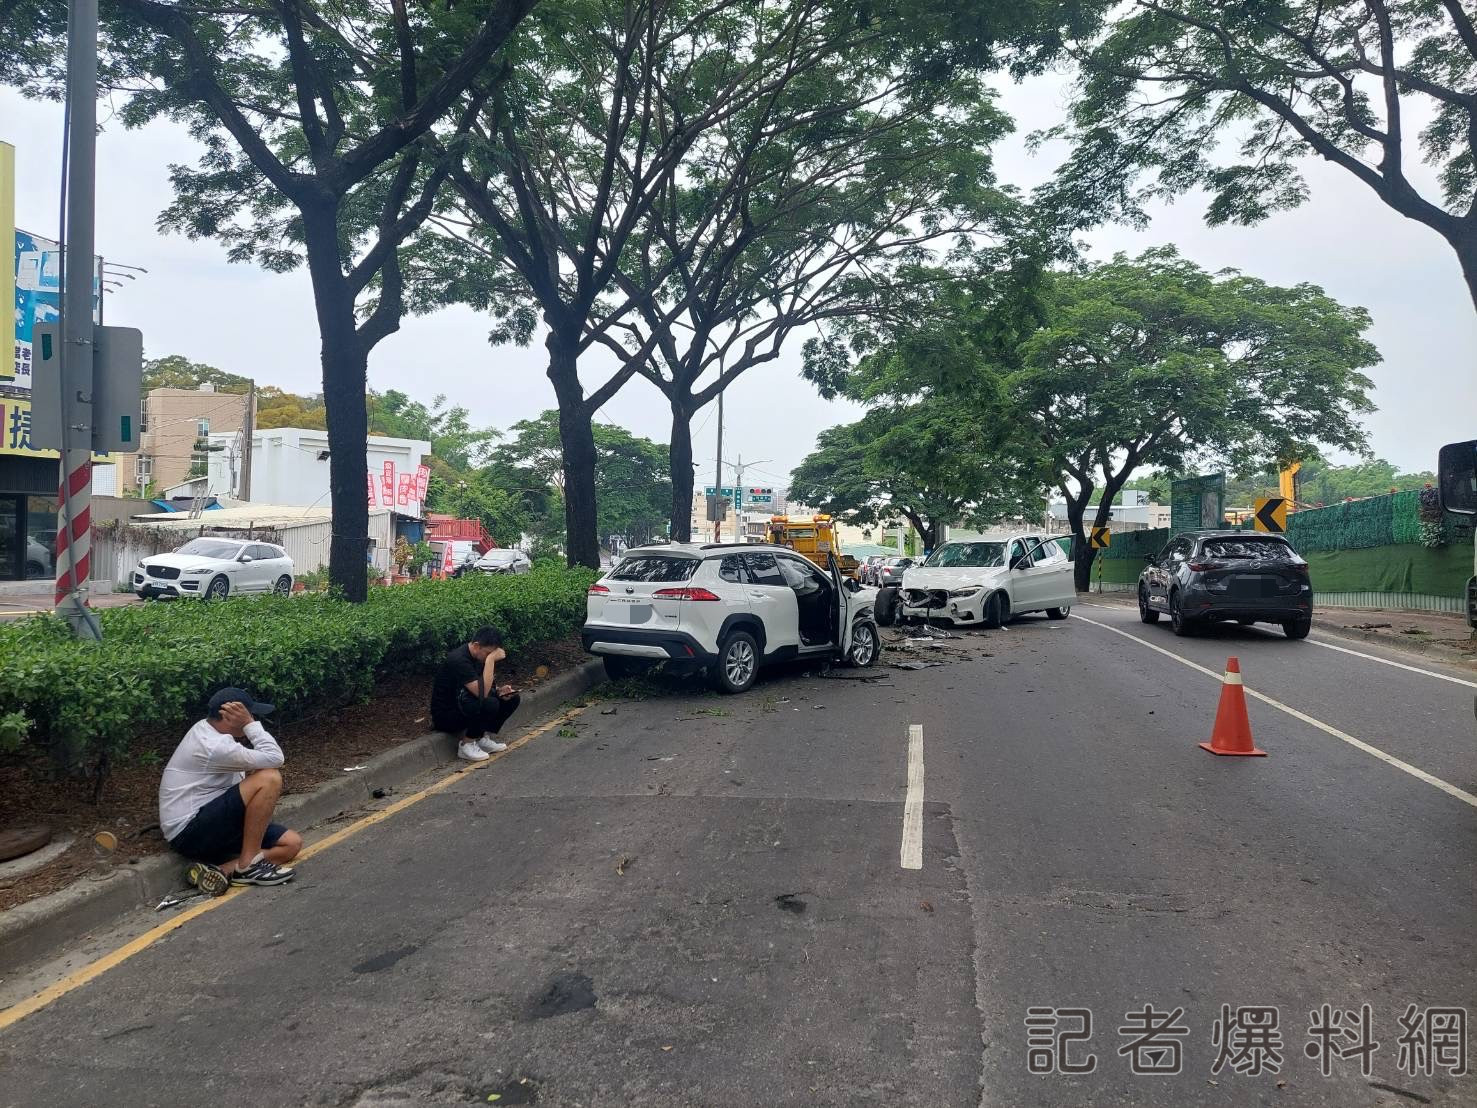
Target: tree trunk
577, 442
1465, 246
345, 383
679, 455
1082, 553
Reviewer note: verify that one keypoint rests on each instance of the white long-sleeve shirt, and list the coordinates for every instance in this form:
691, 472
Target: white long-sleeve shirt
207, 763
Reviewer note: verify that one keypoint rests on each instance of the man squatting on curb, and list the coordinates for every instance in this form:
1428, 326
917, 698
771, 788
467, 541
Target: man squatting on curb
217, 796
465, 696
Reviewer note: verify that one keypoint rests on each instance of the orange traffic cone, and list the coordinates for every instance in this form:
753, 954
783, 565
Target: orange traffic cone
1232, 731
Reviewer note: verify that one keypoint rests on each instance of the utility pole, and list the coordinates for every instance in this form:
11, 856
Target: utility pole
718, 476
248, 432
74, 522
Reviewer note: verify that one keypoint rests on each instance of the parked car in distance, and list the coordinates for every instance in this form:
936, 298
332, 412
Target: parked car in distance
866, 571
214, 569
727, 609
1220, 576
464, 555
504, 561
891, 571
988, 581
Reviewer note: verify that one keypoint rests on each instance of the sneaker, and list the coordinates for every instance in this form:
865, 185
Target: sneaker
471, 752
263, 873
207, 878
491, 745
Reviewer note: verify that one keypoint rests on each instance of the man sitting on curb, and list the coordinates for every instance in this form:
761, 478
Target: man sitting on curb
464, 696
217, 796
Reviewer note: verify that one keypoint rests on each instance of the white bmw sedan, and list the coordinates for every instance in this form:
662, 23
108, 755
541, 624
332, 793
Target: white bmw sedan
215, 569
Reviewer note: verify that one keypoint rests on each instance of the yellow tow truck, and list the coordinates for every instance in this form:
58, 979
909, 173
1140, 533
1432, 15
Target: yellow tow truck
814, 539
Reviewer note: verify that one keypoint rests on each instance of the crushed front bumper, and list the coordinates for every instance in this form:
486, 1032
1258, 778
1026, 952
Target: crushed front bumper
938, 604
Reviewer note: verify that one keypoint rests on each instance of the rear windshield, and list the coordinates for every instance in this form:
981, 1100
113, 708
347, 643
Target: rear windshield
654, 567
1274, 550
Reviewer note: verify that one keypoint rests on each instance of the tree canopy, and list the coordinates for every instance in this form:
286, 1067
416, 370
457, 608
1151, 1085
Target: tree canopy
923, 463
1136, 362
1176, 95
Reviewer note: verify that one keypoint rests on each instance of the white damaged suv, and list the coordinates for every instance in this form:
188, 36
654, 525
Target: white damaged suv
986, 582
727, 609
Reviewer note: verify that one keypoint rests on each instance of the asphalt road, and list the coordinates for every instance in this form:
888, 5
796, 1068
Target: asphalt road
704, 901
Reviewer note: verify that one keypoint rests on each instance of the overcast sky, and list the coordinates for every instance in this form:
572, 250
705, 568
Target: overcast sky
193, 302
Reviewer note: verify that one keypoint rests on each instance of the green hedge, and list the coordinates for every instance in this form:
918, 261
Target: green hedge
158, 663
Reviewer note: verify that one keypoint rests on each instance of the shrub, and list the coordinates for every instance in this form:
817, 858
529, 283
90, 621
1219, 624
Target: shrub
158, 663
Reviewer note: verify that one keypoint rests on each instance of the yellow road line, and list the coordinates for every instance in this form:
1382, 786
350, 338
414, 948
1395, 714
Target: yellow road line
79, 977
1358, 744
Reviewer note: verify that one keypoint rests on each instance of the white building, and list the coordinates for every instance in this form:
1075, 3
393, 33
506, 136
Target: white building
1133, 512
289, 466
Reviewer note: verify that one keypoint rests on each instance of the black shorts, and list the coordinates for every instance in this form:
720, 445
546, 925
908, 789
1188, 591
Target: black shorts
214, 832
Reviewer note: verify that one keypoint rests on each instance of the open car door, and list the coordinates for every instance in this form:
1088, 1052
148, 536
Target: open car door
843, 606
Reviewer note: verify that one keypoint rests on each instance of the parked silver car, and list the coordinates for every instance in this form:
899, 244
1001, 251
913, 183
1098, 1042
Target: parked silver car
504, 561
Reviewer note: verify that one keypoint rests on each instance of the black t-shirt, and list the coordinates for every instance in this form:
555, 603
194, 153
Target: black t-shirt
452, 675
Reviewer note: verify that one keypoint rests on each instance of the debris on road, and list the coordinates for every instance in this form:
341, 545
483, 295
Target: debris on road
791, 902
607, 711
926, 905
354, 769
620, 867
174, 900
915, 665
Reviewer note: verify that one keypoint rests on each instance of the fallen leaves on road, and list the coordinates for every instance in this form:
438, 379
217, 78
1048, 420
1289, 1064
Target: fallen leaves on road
620, 867
927, 906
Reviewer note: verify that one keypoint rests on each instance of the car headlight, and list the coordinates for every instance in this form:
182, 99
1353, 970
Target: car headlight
956, 593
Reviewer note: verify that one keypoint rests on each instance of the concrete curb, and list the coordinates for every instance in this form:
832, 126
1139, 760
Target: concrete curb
31, 931
1403, 644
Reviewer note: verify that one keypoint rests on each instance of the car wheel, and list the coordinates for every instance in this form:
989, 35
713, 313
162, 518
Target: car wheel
1179, 623
34, 570
1297, 628
885, 608
1059, 613
1146, 613
618, 667
283, 585
218, 589
738, 663
864, 644
997, 610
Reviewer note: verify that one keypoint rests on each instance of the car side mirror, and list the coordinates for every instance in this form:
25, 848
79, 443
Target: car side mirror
852, 585
245, 558
1023, 562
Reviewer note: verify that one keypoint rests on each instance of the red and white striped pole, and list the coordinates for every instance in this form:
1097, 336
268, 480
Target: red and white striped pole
74, 514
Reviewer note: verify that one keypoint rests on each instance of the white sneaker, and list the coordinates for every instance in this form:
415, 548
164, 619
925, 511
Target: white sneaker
491, 745
471, 752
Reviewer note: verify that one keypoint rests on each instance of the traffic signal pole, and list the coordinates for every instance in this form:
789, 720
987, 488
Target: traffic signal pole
74, 515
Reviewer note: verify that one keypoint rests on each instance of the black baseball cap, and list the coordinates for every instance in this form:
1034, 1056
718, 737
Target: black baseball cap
225, 696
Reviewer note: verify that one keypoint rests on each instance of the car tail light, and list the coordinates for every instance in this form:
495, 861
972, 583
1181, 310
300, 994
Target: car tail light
597, 590
686, 594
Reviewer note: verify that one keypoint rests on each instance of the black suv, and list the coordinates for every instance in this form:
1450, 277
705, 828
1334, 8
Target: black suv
1215, 576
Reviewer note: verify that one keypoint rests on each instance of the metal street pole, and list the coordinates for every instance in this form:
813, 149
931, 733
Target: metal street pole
74, 519
738, 491
718, 477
